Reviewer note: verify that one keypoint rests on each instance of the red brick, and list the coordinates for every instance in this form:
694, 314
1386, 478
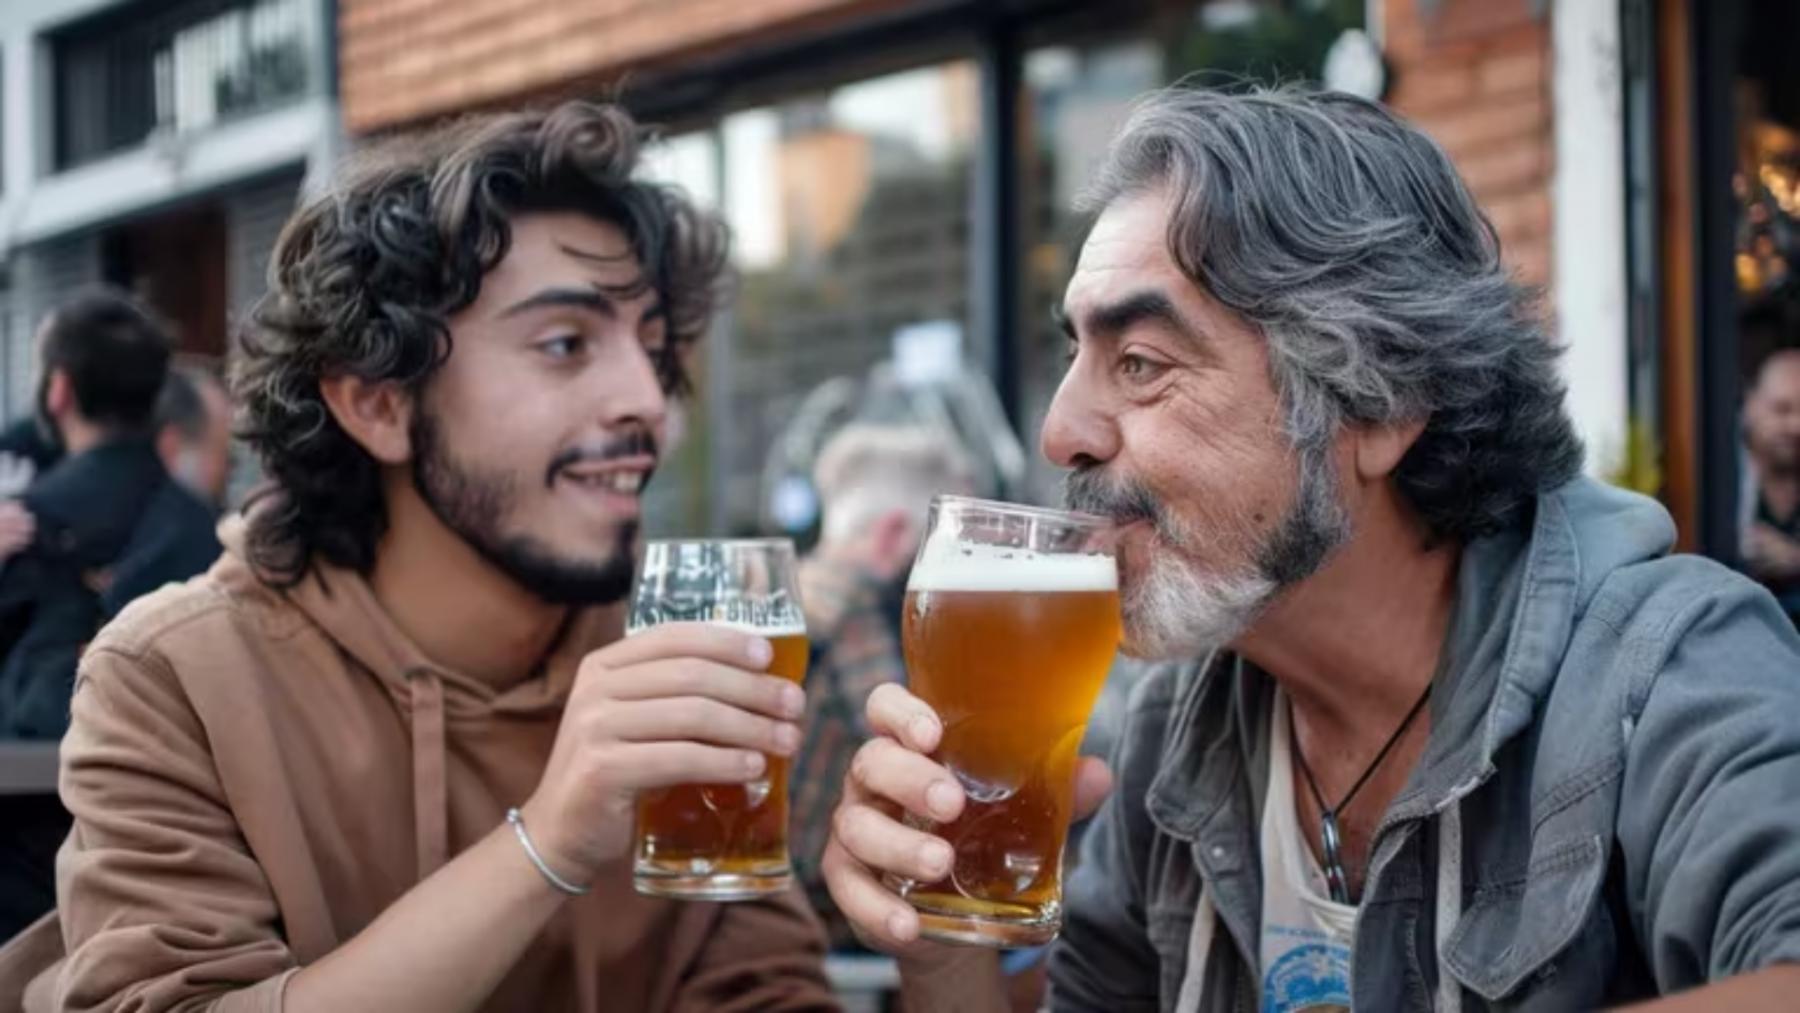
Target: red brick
1505, 170
1520, 217
1484, 123
1432, 87
1515, 71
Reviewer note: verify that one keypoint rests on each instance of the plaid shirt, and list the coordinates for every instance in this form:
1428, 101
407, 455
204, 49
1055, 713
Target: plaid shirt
854, 650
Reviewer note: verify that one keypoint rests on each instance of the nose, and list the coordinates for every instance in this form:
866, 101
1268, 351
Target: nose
1078, 430
632, 391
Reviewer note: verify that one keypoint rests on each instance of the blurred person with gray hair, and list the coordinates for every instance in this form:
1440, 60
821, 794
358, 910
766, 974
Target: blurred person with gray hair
1444, 724
193, 432
874, 483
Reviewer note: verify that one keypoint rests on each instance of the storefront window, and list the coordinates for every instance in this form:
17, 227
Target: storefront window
850, 213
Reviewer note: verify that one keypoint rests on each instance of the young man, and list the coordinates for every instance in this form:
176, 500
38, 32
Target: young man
1458, 732
364, 762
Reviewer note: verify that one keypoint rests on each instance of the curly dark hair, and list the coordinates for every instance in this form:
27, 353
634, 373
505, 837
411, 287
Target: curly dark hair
365, 277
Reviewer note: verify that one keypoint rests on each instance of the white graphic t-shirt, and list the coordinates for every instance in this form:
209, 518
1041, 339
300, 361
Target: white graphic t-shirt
1306, 936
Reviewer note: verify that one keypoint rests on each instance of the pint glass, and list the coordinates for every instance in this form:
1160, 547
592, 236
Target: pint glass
1011, 622
720, 842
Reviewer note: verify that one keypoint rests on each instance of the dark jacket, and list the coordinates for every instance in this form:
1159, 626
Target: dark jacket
1605, 809
111, 526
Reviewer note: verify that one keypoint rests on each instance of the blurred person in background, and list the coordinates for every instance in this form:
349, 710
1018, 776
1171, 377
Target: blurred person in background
193, 432
874, 483
193, 437
395, 739
1772, 436
105, 507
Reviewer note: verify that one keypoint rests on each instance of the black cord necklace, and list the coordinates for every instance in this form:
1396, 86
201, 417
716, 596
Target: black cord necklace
1329, 838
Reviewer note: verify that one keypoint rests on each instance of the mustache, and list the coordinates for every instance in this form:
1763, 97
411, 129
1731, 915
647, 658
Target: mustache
1123, 501
632, 443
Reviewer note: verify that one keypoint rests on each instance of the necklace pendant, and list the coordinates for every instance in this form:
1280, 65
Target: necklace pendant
1335, 879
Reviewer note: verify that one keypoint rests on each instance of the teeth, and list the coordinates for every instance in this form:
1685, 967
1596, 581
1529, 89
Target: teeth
624, 482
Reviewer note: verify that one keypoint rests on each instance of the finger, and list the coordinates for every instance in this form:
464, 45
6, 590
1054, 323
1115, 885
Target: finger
885, 769
882, 920
698, 719
894, 712
720, 644
643, 765
880, 842
687, 677
1093, 782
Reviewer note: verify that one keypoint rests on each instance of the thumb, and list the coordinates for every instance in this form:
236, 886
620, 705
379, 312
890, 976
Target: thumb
1093, 782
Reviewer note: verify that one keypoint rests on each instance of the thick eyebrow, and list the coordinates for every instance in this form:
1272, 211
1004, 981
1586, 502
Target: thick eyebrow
591, 299
1110, 320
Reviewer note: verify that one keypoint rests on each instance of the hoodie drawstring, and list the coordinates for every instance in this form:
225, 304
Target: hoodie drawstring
431, 803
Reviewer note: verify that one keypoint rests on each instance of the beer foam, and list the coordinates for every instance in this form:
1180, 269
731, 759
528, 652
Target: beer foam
965, 567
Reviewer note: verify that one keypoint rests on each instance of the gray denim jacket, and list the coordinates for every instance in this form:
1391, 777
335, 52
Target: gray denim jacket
1612, 778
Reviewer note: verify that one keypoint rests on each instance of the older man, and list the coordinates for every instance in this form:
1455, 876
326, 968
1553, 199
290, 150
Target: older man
1463, 734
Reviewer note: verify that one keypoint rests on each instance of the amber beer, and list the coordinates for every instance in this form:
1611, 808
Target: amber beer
720, 842
724, 833
1010, 646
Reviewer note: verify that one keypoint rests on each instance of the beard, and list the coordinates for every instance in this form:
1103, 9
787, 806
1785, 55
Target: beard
475, 504
1176, 609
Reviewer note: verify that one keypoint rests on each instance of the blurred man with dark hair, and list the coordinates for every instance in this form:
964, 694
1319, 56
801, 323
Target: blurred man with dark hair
107, 524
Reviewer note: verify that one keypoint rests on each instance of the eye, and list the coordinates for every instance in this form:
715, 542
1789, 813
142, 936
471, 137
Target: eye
563, 346
1136, 367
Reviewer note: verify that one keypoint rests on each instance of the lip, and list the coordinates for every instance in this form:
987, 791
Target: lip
641, 463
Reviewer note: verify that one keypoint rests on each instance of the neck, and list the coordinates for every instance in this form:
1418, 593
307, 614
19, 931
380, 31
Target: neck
452, 603
79, 435
1355, 644
1781, 491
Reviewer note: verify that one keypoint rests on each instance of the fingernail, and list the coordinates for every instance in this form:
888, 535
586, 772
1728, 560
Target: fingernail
793, 701
787, 739
761, 653
753, 763
936, 858
924, 728
899, 927
940, 798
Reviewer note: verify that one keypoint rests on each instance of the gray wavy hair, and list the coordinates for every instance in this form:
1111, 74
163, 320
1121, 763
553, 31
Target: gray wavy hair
1348, 238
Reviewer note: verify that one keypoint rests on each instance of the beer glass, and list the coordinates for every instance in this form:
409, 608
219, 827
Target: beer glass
720, 842
1011, 623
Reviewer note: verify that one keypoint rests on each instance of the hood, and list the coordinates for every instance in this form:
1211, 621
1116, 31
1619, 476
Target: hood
434, 697
1520, 595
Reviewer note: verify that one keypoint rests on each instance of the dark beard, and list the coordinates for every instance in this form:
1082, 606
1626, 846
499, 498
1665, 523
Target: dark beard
473, 506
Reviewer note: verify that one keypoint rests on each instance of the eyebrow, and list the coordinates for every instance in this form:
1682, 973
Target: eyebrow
1109, 320
591, 299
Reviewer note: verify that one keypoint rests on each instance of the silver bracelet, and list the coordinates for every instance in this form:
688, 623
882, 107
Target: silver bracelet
531, 852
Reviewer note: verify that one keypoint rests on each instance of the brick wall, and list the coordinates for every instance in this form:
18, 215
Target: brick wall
1476, 74
406, 60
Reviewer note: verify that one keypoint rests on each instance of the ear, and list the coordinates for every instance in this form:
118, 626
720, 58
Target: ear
59, 395
1380, 448
168, 445
377, 415
892, 536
